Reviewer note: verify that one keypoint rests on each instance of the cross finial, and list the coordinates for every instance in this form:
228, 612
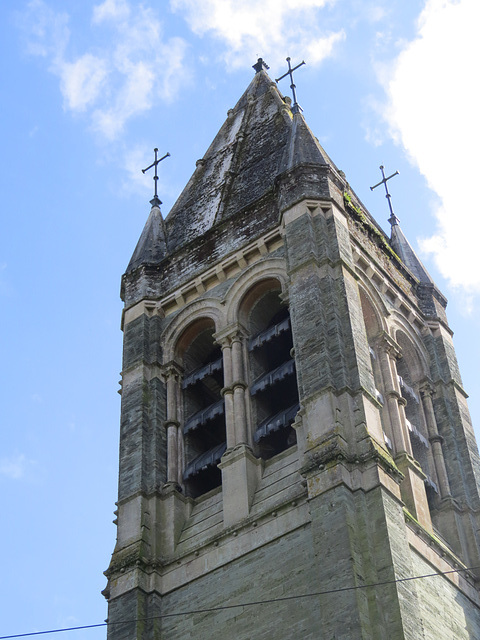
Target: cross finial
260, 65
296, 107
393, 218
155, 200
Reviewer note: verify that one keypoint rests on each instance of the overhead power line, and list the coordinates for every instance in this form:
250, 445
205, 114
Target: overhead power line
244, 604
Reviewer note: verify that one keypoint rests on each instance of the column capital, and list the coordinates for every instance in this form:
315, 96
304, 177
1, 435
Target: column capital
285, 297
236, 384
172, 370
389, 345
427, 389
232, 333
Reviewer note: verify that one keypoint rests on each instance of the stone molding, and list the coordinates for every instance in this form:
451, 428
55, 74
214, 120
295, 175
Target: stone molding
192, 290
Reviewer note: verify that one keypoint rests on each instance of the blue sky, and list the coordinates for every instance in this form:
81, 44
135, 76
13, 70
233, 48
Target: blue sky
89, 88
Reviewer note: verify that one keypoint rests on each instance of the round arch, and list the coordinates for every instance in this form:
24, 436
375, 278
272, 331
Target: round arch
372, 309
208, 311
272, 269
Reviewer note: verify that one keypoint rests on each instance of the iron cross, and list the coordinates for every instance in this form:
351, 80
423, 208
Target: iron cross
156, 200
393, 218
296, 107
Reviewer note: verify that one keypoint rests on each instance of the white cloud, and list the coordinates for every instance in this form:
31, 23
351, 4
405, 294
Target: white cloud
268, 28
14, 467
120, 78
82, 81
46, 31
434, 107
322, 48
111, 10
134, 157
134, 96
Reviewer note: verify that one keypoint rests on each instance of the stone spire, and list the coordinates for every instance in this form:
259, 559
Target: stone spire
151, 247
302, 147
244, 161
403, 249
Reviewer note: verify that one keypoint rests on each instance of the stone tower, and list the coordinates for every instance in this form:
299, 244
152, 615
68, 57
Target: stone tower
296, 449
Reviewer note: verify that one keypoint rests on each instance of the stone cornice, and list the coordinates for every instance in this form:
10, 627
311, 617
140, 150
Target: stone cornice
226, 268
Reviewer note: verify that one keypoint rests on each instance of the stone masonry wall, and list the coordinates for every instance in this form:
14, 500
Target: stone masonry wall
445, 612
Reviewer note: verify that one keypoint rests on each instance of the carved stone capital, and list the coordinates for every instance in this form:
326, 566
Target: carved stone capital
388, 344
427, 390
172, 370
228, 335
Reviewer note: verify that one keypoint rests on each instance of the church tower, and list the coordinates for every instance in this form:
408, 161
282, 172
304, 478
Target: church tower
296, 450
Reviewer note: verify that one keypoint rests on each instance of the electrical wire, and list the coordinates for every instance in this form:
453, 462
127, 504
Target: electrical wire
243, 604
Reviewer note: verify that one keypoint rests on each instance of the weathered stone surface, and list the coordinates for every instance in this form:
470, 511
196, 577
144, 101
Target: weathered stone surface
328, 537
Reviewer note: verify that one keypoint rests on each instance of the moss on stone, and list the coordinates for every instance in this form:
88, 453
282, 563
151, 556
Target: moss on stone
372, 231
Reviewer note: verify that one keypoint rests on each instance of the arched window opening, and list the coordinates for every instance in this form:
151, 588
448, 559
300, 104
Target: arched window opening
415, 422
273, 384
373, 330
204, 424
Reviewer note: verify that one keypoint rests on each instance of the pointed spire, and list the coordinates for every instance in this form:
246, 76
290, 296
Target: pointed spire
398, 241
403, 249
303, 147
152, 246
260, 140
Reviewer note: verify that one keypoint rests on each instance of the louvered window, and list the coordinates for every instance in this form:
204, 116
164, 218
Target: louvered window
204, 415
415, 425
273, 386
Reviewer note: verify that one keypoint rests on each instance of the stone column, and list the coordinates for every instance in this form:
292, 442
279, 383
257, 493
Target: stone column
387, 356
240, 469
426, 393
239, 387
231, 340
412, 486
227, 390
172, 423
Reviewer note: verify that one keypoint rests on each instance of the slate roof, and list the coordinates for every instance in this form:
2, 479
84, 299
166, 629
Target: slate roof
260, 139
